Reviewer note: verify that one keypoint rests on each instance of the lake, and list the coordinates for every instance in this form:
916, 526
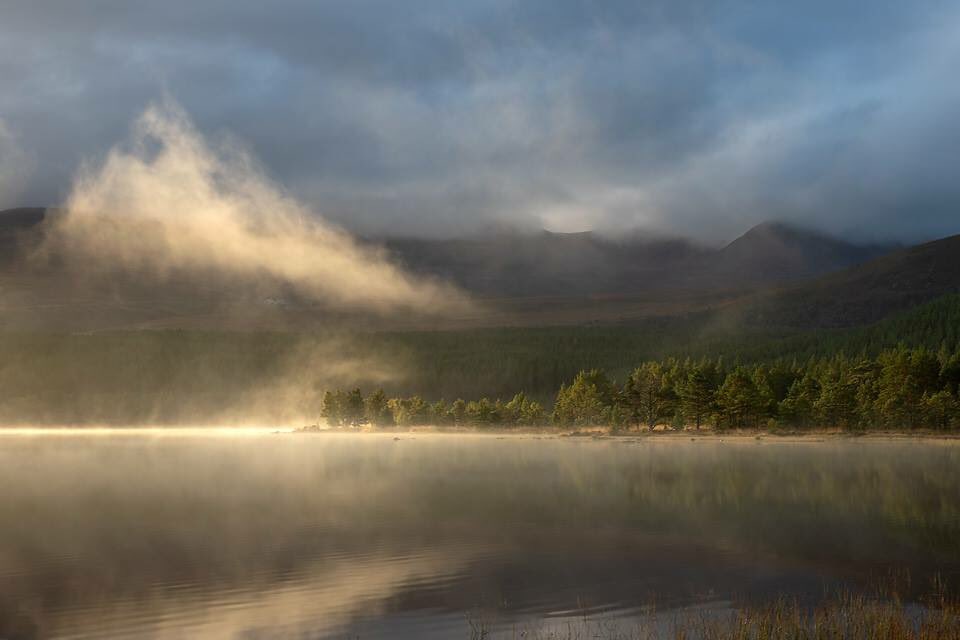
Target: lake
251, 534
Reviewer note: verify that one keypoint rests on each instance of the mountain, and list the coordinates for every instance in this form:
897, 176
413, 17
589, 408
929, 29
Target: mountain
18, 228
864, 293
21, 218
510, 264
774, 252
522, 278
523, 264
513, 264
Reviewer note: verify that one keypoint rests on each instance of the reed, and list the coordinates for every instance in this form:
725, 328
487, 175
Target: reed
844, 617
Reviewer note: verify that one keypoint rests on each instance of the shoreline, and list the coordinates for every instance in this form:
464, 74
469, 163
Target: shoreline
574, 435
705, 435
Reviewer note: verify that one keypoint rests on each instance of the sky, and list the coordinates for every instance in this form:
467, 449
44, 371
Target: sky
447, 117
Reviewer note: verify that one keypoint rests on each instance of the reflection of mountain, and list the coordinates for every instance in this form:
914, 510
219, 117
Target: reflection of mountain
200, 535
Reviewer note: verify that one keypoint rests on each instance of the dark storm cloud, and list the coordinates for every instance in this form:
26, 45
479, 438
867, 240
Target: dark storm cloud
690, 117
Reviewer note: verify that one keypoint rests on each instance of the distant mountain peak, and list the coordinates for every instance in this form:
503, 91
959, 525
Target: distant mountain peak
866, 292
782, 251
785, 232
507, 262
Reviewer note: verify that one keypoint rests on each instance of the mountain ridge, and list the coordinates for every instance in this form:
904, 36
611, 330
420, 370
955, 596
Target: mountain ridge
588, 263
864, 293
521, 278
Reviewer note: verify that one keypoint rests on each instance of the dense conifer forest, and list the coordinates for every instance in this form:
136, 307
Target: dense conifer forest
639, 372
899, 389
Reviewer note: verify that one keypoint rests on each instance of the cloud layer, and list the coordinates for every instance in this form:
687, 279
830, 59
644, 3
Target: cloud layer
680, 116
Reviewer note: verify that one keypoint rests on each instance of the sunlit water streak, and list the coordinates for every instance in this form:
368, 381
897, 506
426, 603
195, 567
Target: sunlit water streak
222, 533
154, 432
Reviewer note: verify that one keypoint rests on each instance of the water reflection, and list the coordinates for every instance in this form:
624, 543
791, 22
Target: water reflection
140, 535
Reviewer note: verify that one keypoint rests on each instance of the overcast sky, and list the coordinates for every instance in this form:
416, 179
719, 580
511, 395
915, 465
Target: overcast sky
408, 116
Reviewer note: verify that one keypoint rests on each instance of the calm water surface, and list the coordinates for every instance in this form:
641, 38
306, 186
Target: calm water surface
207, 535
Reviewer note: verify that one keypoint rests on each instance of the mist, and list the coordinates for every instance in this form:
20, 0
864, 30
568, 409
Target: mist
168, 206
490, 319
15, 165
170, 220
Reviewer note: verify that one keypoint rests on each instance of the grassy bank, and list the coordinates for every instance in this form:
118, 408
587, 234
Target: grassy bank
842, 618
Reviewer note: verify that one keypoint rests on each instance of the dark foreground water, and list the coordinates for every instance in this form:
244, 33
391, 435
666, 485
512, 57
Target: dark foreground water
204, 535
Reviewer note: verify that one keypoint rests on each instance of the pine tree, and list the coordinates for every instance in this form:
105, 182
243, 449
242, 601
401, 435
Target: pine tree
375, 409
697, 395
648, 394
352, 408
940, 409
738, 399
837, 404
332, 409
798, 406
585, 401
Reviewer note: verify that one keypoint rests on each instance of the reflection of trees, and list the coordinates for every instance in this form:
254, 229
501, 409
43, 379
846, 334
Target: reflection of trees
87, 517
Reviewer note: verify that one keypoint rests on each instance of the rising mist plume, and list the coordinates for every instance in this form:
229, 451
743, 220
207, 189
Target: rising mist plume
169, 206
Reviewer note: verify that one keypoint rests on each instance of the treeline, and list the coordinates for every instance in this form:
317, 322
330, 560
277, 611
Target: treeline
351, 408
898, 389
497, 362
192, 377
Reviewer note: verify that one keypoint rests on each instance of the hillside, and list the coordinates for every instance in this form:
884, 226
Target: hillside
548, 263
774, 252
528, 279
178, 376
21, 218
865, 293
517, 264
17, 228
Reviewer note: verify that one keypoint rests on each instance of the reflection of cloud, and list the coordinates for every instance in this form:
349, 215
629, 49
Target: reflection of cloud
317, 598
168, 206
227, 536
205, 537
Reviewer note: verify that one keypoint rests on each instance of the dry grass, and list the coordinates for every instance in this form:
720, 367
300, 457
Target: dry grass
849, 617
842, 618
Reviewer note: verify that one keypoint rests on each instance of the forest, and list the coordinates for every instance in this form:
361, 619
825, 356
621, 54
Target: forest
899, 389
194, 377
